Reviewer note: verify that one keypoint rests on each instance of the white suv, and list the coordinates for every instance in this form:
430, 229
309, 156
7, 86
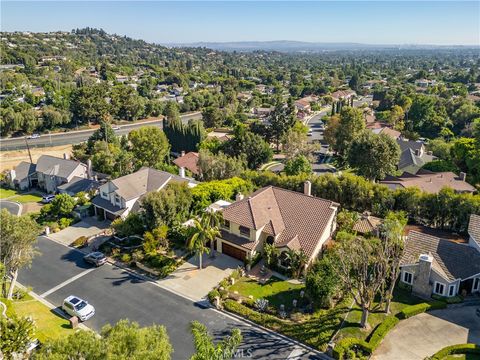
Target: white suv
74, 306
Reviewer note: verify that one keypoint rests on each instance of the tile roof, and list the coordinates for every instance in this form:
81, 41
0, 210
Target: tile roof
451, 260
430, 182
474, 228
367, 224
285, 213
188, 161
52, 165
342, 94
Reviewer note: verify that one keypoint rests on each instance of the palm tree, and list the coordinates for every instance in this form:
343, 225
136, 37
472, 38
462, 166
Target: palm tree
297, 261
206, 349
202, 233
212, 219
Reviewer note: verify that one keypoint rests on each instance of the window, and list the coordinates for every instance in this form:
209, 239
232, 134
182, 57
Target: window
439, 288
408, 277
451, 290
104, 195
244, 231
476, 284
226, 224
117, 199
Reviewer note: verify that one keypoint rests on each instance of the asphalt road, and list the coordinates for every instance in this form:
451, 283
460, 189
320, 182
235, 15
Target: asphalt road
75, 137
12, 207
116, 294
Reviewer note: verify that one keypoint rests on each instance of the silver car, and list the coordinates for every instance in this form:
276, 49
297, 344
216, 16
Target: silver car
74, 306
96, 258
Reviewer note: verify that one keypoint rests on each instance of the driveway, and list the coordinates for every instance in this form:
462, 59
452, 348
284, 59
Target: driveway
87, 227
12, 207
425, 334
195, 284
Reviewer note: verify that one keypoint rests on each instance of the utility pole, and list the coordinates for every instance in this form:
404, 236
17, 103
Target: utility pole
29, 153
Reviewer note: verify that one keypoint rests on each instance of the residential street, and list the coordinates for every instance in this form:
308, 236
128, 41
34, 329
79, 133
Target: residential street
75, 137
116, 294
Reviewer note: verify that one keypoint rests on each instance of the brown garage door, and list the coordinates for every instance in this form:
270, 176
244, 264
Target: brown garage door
233, 252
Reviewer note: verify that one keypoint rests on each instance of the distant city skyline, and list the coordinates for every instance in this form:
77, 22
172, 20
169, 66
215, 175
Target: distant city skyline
366, 22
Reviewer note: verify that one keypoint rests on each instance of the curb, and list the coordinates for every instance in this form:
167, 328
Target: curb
322, 355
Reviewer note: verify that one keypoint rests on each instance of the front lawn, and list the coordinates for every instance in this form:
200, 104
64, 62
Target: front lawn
351, 326
5, 193
48, 325
275, 290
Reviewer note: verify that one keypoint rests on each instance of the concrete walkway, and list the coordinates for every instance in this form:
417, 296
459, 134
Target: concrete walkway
425, 334
195, 284
87, 227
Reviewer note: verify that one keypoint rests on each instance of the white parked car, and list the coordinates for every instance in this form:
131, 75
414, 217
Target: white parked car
46, 199
74, 306
33, 136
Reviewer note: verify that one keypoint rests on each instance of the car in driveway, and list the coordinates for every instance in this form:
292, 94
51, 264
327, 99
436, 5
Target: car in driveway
75, 306
46, 199
96, 258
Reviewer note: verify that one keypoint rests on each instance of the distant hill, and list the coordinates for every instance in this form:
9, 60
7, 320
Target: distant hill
298, 46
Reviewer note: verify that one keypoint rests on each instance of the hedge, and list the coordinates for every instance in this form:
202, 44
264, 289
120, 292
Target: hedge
413, 310
376, 337
263, 319
456, 349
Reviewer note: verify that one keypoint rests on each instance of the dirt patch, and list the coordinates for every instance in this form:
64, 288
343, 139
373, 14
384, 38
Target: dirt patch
10, 159
31, 207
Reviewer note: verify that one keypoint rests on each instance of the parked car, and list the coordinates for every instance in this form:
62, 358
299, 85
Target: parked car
33, 136
46, 199
96, 258
310, 132
74, 306
115, 127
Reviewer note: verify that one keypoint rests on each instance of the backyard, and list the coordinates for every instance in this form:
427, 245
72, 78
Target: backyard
48, 324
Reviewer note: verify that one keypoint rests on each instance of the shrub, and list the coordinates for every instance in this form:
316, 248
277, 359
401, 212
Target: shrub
379, 333
126, 258
261, 304
224, 283
212, 295
345, 345
404, 286
456, 349
413, 310
80, 242
448, 300
65, 222
260, 318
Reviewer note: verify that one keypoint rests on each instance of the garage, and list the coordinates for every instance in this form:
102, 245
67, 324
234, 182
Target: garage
234, 252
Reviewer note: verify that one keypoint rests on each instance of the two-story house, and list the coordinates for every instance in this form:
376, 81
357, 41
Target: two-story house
47, 174
432, 265
284, 218
118, 197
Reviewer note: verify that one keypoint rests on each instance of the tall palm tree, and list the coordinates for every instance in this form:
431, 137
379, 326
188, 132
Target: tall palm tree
202, 233
212, 219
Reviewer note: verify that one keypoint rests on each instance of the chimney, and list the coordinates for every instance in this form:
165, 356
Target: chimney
307, 188
66, 156
463, 176
421, 283
182, 153
239, 197
89, 169
181, 172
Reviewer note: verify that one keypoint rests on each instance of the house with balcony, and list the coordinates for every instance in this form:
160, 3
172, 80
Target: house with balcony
118, 197
432, 265
287, 219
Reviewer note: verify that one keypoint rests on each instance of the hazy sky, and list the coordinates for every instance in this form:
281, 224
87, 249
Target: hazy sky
373, 22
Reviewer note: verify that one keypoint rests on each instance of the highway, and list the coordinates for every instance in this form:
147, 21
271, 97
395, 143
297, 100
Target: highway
76, 137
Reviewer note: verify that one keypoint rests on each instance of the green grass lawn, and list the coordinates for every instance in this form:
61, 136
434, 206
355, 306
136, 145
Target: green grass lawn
48, 324
462, 357
351, 326
275, 290
5, 193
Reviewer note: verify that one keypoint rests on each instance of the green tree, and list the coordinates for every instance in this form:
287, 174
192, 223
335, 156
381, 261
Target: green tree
250, 146
63, 205
212, 117
298, 165
89, 103
15, 336
219, 166
374, 156
321, 283
125, 340
103, 133
126, 103
150, 146
203, 232
350, 126
206, 349
169, 206
281, 121
19, 234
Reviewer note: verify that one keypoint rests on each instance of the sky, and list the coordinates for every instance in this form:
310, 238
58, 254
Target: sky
368, 22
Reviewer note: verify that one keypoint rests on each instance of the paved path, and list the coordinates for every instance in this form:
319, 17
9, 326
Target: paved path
87, 227
12, 206
117, 294
425, 334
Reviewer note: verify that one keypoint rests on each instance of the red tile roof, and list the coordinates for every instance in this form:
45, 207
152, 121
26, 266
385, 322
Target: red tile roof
188, 161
